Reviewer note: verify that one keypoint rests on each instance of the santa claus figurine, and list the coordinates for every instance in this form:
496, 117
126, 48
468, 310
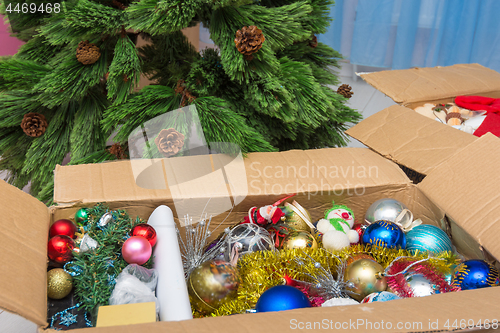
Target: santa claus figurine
270, 214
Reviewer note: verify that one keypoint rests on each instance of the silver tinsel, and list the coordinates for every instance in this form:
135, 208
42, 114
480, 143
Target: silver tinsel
323, 282
193, 246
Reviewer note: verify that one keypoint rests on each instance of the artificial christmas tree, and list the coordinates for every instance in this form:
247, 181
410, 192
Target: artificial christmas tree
265, 88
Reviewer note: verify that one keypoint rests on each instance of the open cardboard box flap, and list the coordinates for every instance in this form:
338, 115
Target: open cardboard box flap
415, 85
407, 138
466, 187
23, 245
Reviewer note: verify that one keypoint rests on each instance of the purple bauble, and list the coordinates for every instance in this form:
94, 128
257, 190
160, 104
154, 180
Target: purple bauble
136, 250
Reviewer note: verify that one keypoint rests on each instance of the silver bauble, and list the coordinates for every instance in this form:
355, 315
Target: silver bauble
384, 209
420, 285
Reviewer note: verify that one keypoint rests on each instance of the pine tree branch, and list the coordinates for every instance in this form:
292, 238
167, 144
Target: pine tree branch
17, 74
124, 71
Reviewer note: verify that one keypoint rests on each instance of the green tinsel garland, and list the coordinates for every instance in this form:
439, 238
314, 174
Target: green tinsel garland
97, 269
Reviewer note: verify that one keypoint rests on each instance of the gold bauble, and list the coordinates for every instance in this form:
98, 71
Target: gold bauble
299, 240
357, 256
299, 217
366, 276
59, 283
211, 284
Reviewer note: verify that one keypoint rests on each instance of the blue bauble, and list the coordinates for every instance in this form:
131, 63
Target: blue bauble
426, 237
381, 296
384, 233
474, 274
281, 298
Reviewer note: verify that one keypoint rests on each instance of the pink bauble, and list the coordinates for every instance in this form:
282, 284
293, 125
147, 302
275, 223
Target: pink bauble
136, 250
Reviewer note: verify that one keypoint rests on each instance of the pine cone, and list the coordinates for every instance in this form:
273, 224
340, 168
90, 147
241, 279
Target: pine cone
314, 42
34, 124
117, 150
249, 40
87, 53
345, 90
169, 142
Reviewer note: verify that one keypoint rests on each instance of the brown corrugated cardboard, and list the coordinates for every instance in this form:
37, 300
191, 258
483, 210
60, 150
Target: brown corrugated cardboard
356, 177
23, 248
403, 136
467, 187
412, 87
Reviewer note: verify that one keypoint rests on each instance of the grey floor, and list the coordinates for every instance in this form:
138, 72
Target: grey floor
365, 99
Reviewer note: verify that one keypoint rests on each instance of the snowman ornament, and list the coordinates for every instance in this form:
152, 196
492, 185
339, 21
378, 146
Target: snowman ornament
336, 228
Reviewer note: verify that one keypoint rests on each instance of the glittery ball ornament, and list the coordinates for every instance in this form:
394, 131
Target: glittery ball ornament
381, 296
60, 249
247, 238
364, 276
426, 237
385, 234
360, 229
62, 227
211, 284
384, 209
136, 250
59, 283
280, 298
146, 231
474, 274
81, 216
420, 285
299, 240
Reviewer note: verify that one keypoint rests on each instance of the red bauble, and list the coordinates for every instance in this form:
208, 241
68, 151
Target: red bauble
146, 231
60, 249
63, 228
360, 229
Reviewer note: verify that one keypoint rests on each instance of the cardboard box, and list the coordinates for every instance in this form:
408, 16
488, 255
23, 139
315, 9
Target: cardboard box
406, 137
461, 194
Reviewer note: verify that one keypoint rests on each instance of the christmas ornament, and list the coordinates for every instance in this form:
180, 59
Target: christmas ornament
81, 216
169, 142
249, 40
384, 209
415, 278
211, 284
193, 247
381, 296
386, 234
319, 278
336, 228
269, 214
339, 302
360, 229
86, 243
34, 124
171, 289
280, 298
146, 231
427, 237
366, 277
246, 238
278, 233
62, 227
105, 220
297, 217
60, 249
59, 283
474, 274
299, 240
345, 90
136, 250
87, 53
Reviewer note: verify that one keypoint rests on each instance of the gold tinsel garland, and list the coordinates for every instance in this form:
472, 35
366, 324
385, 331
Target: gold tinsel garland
265, 269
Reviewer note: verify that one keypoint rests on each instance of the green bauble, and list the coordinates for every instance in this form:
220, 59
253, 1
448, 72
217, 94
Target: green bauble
81, 216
